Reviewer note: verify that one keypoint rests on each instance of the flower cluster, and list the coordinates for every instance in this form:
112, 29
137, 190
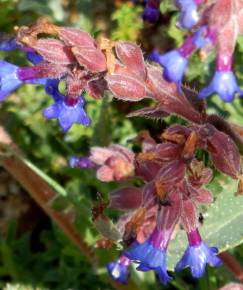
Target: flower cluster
173, 179
215, 24
71, 56
173, 190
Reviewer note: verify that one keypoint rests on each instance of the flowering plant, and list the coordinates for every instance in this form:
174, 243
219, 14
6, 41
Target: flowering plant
165, 185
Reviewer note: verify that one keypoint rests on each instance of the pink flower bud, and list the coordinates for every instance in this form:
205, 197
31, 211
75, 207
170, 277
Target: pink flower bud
131, 56
91, 58
75, 37
126, 198
224, 153
116, 162
126, 88
54, 51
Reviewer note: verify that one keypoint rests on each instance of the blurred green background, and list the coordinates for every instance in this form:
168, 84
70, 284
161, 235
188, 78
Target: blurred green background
34, 253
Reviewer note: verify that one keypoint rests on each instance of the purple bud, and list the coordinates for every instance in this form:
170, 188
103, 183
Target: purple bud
80, 162
151, 14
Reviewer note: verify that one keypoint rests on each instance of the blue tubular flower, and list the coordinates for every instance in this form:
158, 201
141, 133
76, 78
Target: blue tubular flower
150, 256
9, 79
196, 257
174, 64
224, 84
66, 114
189, 15
119, 270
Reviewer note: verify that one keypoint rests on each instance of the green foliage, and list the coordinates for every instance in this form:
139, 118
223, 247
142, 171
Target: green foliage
128, 23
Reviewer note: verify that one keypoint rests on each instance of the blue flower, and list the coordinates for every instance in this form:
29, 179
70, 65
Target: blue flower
119, 270
67, 115
196, 257
224, 84
149, 257
9, 79
200, 37
8, 44
151, 14
174, 65
189, 15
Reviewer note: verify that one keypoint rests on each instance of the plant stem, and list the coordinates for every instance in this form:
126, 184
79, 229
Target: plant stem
232, 264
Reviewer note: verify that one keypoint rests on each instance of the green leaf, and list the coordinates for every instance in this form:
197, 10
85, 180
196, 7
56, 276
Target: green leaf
222, 225
167, 6
107, 229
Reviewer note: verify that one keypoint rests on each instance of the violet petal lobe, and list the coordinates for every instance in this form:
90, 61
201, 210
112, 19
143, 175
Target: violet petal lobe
9, 80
